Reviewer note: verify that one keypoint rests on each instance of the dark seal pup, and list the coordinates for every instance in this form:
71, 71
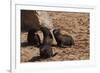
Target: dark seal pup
45, 49
63, 40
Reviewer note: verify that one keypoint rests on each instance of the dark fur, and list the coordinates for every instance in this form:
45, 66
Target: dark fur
30, 23
45, 49
63, 40
33, 39
36, 40
29, 20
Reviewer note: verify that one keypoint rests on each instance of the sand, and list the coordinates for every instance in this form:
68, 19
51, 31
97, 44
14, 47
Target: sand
74, 24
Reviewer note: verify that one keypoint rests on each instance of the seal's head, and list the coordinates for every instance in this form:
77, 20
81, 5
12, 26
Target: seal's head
56, 31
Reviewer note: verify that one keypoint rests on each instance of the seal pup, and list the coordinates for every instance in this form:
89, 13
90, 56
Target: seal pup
45, 49
63, 40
